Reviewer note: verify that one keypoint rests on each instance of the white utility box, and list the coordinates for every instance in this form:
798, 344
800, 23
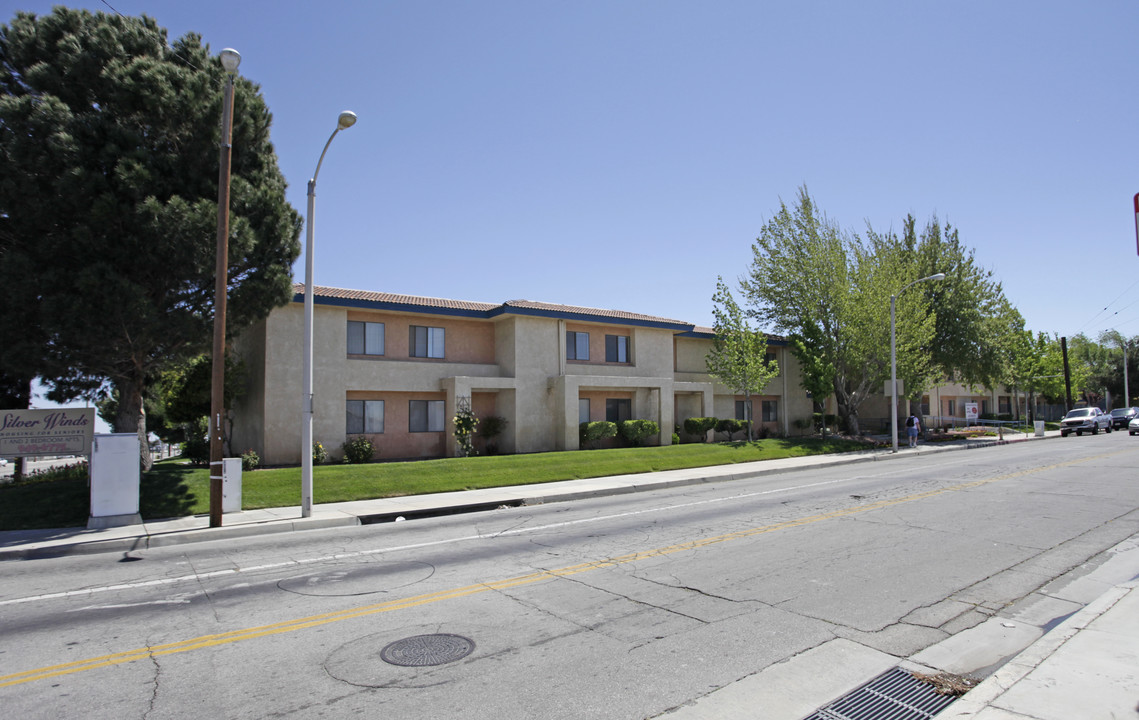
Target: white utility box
115, 460
231, 485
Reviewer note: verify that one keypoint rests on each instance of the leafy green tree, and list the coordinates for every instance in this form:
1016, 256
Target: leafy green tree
738, 357
974, 322
1037, 368
1115, 343
829, 292
1093, 368
108, 202
180, 397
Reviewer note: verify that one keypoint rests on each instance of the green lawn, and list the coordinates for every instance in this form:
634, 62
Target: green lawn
174, 488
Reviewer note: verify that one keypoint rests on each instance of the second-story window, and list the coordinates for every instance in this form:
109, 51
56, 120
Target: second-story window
365, 338
426, 342
617, 348
577, 345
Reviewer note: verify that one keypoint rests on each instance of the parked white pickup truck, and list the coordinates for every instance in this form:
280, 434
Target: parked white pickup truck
1088, 419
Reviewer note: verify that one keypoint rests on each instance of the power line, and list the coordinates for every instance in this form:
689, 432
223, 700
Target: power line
1094, 317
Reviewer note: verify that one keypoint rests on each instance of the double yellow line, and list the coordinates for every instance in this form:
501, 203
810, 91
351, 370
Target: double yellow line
206, 641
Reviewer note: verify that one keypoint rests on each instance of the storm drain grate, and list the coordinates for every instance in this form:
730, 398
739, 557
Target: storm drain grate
893, 695
427, 650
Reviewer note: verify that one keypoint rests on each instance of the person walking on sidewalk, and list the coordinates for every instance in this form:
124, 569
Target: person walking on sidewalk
913, 426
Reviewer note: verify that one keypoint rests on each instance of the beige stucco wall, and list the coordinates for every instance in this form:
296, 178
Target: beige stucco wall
248, 412
530, 356
513, 366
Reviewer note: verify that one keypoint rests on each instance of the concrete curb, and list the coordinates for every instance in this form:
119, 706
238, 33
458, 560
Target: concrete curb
1017, 669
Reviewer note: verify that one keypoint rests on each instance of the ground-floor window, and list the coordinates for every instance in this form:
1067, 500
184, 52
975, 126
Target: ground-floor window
583, 410
364, 416
618, 410
742, 410
770, 410
425, 416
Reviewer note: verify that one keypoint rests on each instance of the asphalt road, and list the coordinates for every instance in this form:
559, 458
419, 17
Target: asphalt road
622, 607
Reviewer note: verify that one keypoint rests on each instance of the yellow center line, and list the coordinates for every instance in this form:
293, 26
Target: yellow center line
206, 641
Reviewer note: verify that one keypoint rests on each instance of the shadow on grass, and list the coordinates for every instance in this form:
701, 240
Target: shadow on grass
39, 503
813, 444
165, 493
61, 498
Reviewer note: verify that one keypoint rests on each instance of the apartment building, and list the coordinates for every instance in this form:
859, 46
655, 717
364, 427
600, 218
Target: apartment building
395, 368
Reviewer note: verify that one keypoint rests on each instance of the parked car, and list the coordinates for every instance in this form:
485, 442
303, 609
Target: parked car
1122, 417
1088, 419
1133, 427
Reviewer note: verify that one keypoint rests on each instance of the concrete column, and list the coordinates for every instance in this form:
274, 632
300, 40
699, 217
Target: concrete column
564, 390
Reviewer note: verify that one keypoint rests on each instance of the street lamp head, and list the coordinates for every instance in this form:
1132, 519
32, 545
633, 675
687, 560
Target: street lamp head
939, 276
347, 119
230, 59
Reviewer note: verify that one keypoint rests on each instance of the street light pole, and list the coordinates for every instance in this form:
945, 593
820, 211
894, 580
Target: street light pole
894, 363
346, 120
230, 59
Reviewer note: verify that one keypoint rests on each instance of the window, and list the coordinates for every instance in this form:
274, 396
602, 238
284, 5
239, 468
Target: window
583, 410
577, 345
986, 407
425, 416
617, 348
618, 410
771, 359
365, 338
364, 416
770, 410
951, 407
1003, 405
742, 410
426, 342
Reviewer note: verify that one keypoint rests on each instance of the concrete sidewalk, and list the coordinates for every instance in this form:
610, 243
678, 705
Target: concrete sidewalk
1087, 667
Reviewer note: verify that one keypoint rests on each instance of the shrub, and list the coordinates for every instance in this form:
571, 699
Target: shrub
250, 460
490, 428
319, 454
699, 426
728, 426
359, 450
676, 438
465, 424
196, 448
592, 433
635, 431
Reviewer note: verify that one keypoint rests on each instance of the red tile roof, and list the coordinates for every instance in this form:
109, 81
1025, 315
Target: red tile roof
378, 297
428, 303
576, 310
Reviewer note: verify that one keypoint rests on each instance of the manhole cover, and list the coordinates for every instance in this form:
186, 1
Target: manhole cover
424, 650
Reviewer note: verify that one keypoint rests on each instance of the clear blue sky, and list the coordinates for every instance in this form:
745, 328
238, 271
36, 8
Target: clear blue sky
622, 154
